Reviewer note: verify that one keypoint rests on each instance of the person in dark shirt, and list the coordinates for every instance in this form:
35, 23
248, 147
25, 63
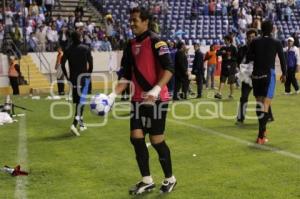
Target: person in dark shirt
246, 87
228, 68
181, 72
80, 62
198, 69
173, 50
262, 52
149, 67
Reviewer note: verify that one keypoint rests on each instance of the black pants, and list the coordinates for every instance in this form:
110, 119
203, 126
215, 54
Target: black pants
183, 84
291, 79
245, 91
15, 85
199, 81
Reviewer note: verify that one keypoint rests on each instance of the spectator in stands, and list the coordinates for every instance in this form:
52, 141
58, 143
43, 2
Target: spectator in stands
41, 36
52, 37
79, 13
212, 60
64, 38
32, 42
212, 7
293, 62
49, 4
16, 35
287, 13
8, 18
71, 22
106, 45
60, 22
234, 13
13, 74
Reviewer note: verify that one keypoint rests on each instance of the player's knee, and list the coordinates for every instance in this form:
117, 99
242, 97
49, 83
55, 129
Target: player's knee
156, 139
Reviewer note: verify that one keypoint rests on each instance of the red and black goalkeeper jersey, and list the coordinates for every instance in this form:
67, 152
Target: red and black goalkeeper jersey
150, 56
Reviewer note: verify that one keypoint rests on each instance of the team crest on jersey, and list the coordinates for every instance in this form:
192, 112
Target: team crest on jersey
137, 49
163, 50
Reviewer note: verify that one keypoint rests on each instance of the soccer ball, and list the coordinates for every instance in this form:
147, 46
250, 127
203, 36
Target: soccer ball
100, 104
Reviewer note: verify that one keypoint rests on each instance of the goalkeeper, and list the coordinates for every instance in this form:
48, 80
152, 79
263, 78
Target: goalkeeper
147, 64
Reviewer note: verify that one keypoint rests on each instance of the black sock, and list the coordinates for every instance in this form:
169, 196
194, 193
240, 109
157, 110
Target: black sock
270, 114
142, 155
78, 114
262, 119
164, 158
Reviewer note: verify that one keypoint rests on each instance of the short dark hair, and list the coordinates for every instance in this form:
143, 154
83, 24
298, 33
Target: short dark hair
251, 31
179, 45
228, 38
75, 36
267, 27
144, 13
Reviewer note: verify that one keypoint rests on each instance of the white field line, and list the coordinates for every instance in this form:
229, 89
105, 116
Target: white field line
238, 140
20, 191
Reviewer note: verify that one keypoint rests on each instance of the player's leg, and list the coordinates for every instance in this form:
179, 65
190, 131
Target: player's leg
158, 142
245, 91
223, 79
137, 139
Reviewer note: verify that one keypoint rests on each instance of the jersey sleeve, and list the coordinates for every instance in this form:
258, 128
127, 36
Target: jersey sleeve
126, 62
162, 52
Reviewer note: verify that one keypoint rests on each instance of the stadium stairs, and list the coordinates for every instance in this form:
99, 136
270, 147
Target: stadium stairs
37, 82
68, 7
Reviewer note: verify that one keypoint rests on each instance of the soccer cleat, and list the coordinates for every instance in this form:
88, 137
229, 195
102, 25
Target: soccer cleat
239, 122
287, 93
297, 91
262, 140
74, 130
82, 127
167, 186
230, 97
218, 96
141, 187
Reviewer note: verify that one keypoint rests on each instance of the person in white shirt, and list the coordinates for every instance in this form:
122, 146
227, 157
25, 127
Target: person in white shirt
52, 37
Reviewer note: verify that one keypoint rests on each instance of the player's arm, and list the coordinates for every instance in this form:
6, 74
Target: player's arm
63, 64
123, 83
90, 62
162, 54
282, 61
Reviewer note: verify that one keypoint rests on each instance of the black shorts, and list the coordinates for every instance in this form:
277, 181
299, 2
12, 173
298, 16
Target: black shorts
264, 85
151, 119
80, 91
230, 78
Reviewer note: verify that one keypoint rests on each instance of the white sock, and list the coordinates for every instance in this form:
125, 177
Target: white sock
147, 179
171, 179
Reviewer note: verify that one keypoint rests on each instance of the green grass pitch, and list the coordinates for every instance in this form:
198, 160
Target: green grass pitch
212, 158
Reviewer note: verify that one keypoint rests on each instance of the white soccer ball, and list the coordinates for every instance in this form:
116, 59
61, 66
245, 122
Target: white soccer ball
100, 104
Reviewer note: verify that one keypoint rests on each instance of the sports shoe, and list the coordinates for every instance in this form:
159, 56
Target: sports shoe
82, 127
262, 140
167, 186
239, 122
297, 91
74, 130
287, 93
141, 187
230, 97
218, 96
